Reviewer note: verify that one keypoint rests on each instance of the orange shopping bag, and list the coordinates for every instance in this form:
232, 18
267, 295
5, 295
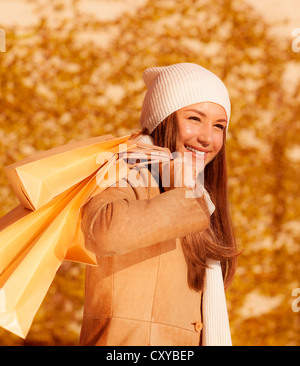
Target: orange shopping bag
25, 281
21, 226
39, 178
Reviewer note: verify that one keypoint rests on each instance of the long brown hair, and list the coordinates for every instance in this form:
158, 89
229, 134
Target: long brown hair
218, 241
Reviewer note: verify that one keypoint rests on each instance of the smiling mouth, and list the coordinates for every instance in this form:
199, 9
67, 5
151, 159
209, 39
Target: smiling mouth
197, 152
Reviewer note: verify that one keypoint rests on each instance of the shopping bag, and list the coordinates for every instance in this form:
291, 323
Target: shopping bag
115, 170
21, 226
25, 282
61, 230
41, 177
77, 251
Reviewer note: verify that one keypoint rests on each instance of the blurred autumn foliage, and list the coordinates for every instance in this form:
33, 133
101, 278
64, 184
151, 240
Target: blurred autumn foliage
73, 76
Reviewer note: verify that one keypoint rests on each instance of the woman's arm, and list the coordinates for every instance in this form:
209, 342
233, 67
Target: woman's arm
117, 221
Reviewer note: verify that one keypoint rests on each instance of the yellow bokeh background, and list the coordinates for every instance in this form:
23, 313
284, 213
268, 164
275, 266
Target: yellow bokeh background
71, 75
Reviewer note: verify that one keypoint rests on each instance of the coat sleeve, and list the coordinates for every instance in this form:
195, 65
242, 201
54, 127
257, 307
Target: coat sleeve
118, 221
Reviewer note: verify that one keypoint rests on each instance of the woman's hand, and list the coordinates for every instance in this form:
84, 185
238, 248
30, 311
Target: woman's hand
183, 172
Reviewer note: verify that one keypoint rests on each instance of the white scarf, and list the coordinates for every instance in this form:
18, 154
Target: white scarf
216, 330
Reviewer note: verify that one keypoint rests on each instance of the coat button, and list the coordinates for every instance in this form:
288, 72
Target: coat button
197, 326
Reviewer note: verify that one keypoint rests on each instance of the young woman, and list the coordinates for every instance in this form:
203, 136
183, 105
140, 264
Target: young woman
164, 255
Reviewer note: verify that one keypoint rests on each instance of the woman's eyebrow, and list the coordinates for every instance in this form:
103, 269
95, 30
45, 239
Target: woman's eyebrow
204, 115
196, 111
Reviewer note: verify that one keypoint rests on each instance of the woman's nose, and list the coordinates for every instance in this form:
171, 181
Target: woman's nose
205, 135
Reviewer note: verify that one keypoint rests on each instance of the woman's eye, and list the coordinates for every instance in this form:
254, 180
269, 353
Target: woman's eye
194, 118
221, 127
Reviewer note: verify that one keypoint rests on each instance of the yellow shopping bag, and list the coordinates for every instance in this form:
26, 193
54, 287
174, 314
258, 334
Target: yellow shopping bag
114, 171
21, 226
41, 177
26, 279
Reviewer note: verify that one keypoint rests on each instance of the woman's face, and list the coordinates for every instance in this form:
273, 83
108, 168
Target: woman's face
201, 130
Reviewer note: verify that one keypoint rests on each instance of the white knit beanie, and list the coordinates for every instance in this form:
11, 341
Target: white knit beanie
173, 87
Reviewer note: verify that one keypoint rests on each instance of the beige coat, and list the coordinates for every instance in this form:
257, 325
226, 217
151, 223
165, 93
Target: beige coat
138, 295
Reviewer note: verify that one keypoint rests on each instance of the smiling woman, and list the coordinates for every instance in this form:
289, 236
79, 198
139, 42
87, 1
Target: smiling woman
201, 129
162, 251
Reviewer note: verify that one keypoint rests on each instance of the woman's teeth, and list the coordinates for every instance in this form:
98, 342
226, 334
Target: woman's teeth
202, 153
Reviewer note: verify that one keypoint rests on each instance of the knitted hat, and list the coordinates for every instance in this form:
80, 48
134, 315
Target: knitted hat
173, 87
